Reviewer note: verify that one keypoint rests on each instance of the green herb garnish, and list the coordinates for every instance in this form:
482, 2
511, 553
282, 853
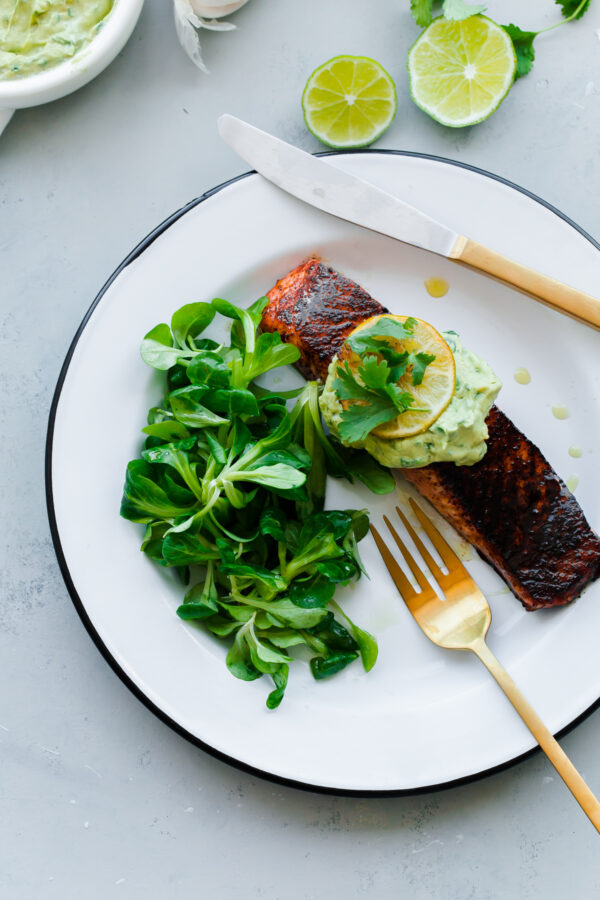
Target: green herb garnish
231, 486
374, 389
523, 40
422, 10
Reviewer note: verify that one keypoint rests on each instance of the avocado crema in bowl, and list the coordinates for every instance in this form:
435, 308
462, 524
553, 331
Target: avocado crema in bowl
49, 48
41, 34
459, 433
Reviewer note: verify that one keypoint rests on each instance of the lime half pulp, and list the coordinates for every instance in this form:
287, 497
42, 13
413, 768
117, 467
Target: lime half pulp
460, 72
349, 101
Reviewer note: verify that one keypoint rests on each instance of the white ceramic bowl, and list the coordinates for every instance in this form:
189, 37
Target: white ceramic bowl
73, 73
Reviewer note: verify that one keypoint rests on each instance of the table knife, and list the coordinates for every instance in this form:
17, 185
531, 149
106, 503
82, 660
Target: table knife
318, 183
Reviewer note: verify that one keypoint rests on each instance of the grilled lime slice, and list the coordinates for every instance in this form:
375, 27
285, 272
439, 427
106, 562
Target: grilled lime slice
435, 392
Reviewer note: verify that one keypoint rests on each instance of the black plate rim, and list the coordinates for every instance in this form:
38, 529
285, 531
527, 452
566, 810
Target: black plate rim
64, 568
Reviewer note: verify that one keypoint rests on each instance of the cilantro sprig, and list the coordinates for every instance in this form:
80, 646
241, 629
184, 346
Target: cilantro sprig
374, 392
523, 40
457, 10
572, 9
422, 10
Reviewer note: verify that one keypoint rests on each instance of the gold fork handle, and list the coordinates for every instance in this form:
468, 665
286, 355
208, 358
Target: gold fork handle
549, 745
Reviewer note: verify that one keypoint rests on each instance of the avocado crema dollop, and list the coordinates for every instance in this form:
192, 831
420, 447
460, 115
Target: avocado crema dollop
458, 435
41, 34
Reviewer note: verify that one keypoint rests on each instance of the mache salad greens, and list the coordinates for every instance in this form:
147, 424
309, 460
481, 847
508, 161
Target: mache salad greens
230, 486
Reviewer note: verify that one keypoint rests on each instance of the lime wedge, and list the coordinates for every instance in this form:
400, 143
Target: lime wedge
349, 101
460, 72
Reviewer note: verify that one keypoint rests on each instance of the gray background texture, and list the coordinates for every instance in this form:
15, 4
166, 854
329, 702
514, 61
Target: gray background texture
98, 798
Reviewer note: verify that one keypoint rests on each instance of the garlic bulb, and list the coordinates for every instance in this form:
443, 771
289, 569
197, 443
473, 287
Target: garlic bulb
214, 9
192, 15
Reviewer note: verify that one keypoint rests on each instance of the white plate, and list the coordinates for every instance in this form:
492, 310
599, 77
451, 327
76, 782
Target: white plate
423, 717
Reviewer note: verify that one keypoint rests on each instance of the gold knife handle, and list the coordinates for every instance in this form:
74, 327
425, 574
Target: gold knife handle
547, 742
547, 290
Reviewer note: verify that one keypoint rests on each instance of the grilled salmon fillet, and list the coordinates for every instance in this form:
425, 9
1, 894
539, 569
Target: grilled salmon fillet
511, 506
315, 308
518, 514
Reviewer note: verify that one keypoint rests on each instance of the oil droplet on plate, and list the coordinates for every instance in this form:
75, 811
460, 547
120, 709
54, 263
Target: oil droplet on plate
437, 287
575, 452
522, 376
572, 482
560, 412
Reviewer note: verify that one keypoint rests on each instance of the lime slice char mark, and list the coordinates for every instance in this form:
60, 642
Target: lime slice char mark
349, 102
460, 72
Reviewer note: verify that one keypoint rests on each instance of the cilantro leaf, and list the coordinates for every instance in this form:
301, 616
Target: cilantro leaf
420, 361
374, 376
366, 340
377, 376
373, 373
389, 353
573, 8
459, 10
347, 387
371, 407
523, 44
402, 399
374, 389
358, 420
377, 399
422, 11
523, 40
400, 366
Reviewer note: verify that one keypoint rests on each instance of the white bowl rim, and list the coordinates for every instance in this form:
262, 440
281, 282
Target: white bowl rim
73, 73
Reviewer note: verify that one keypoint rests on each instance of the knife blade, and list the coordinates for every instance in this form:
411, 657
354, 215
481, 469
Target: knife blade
330, 189
324, 186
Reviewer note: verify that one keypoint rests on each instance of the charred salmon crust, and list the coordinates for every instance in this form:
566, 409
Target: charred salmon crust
315, 308
518, 514
511, 505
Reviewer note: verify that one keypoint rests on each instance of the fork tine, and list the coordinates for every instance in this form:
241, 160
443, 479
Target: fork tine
400, 580
431, 563
443, 548
423, 583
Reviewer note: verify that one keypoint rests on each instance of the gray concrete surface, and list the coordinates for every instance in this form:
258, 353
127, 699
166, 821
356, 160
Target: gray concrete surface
98, 799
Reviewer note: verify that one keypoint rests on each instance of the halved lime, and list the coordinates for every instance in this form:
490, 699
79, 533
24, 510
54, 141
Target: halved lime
349, 101
460, 72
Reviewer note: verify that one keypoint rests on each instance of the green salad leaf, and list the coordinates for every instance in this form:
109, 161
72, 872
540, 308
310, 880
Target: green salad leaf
157, 348
230, 486
323, 667
189, 322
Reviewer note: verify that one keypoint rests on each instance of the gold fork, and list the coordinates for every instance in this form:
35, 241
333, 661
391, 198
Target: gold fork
461, 623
